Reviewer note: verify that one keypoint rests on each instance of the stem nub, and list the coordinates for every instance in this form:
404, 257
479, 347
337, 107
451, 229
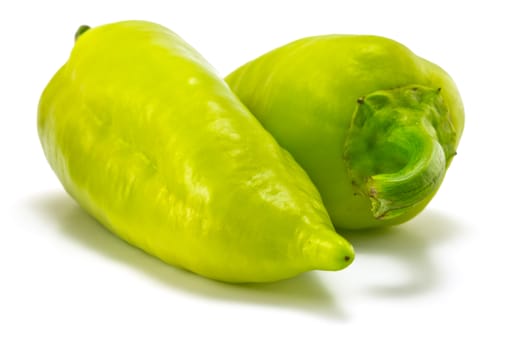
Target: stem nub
81, 30
398, 147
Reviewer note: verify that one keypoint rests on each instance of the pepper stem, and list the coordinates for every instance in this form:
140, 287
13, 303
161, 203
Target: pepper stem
398, 148
392, 193
81, 30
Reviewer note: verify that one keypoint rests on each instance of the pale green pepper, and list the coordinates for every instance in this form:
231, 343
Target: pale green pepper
373, 125
144, 135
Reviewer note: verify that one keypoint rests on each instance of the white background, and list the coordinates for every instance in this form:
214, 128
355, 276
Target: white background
453, 278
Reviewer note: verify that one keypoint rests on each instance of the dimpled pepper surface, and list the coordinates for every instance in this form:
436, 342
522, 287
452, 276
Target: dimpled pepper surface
144, 135
374, 125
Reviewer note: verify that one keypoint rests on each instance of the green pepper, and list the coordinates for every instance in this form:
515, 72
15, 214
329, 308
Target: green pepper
374, 125
148, 139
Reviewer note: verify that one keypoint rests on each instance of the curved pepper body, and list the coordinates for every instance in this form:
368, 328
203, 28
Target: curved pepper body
144, 135
353, 110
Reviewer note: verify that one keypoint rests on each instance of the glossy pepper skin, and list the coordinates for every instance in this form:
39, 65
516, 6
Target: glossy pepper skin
144, 135
374, 125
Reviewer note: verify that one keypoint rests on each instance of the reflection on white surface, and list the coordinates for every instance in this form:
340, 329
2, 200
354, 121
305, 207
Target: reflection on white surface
399, 260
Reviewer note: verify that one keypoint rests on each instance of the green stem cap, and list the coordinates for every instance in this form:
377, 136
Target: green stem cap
398, 148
